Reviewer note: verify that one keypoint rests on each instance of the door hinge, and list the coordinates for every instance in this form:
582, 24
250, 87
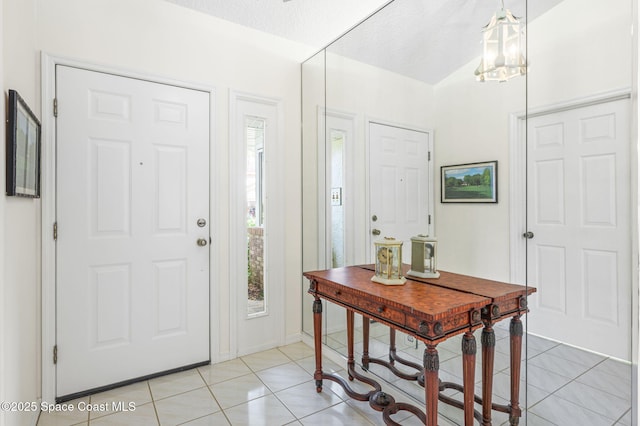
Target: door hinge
429, 156
55, 107
55, 354
55, 231
429, 219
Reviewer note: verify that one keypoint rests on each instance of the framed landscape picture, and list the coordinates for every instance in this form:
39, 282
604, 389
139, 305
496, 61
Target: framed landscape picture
469, 183
23, 149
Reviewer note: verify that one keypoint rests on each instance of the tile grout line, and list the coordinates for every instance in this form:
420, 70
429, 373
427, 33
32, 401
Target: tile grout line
214, 398
571, 402
528, 408
153, 401
295, 362
619, 419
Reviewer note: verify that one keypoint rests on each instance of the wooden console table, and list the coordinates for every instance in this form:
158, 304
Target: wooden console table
430, 310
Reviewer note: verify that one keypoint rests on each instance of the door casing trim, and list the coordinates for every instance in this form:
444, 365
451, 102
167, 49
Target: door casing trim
48, 203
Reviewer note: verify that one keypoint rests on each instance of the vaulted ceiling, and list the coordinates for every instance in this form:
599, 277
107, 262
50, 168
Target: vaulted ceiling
312, 22
422, 39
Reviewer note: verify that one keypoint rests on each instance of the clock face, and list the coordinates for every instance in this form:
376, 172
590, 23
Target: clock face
385, 255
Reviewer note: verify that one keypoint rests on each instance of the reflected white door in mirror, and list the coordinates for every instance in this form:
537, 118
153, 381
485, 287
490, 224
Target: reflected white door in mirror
400, 184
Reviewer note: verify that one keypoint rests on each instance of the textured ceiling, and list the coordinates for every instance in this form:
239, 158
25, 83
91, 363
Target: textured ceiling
428, 39
423, 39
312, 22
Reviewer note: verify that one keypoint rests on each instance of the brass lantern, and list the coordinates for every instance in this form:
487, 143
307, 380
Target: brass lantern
423, 257
388, 262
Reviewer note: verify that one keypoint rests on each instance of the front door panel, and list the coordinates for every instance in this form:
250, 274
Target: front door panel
132, 182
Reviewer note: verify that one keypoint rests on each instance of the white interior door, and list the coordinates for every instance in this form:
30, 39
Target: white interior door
132, 185
400, 184
578, 211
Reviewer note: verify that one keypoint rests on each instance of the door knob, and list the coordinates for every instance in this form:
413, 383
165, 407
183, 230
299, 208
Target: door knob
201, 242
375, 232
528, 235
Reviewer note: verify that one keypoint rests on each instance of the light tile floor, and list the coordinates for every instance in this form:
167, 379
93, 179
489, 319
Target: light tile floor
275, 387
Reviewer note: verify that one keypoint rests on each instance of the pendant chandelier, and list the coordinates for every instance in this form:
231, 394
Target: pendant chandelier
503, 48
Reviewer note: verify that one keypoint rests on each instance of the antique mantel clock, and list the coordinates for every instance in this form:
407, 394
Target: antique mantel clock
423, 257
388, 253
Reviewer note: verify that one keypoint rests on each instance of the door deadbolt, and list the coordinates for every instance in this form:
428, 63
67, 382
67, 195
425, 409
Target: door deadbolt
528, 235
374, 218
201, 222
201, 242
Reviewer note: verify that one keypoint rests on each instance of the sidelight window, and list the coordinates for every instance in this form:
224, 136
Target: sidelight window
256, 285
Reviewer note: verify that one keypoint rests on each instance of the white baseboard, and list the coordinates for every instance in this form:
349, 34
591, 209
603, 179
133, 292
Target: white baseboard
293, 338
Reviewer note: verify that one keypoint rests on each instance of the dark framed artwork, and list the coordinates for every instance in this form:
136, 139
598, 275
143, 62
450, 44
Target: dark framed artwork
23, 148
469, 183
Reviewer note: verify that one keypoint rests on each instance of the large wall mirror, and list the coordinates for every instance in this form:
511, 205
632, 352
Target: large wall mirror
561, 136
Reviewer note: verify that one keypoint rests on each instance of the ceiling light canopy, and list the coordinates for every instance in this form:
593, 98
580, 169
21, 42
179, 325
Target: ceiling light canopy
503, 48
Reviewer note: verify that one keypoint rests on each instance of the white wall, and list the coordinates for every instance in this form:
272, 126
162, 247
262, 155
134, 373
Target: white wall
576, 50
635, 131
472, 126
3, 319
580, 48
21, 229
162, 40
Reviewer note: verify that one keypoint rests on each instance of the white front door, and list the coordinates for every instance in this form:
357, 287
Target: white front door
400, 185
257, 224
132, 282
578, 211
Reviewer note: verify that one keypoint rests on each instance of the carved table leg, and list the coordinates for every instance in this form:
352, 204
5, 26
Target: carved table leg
431, 383
350, 360
488, 341
515, 330
468, 374
392, 345
365, 342
317, 342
